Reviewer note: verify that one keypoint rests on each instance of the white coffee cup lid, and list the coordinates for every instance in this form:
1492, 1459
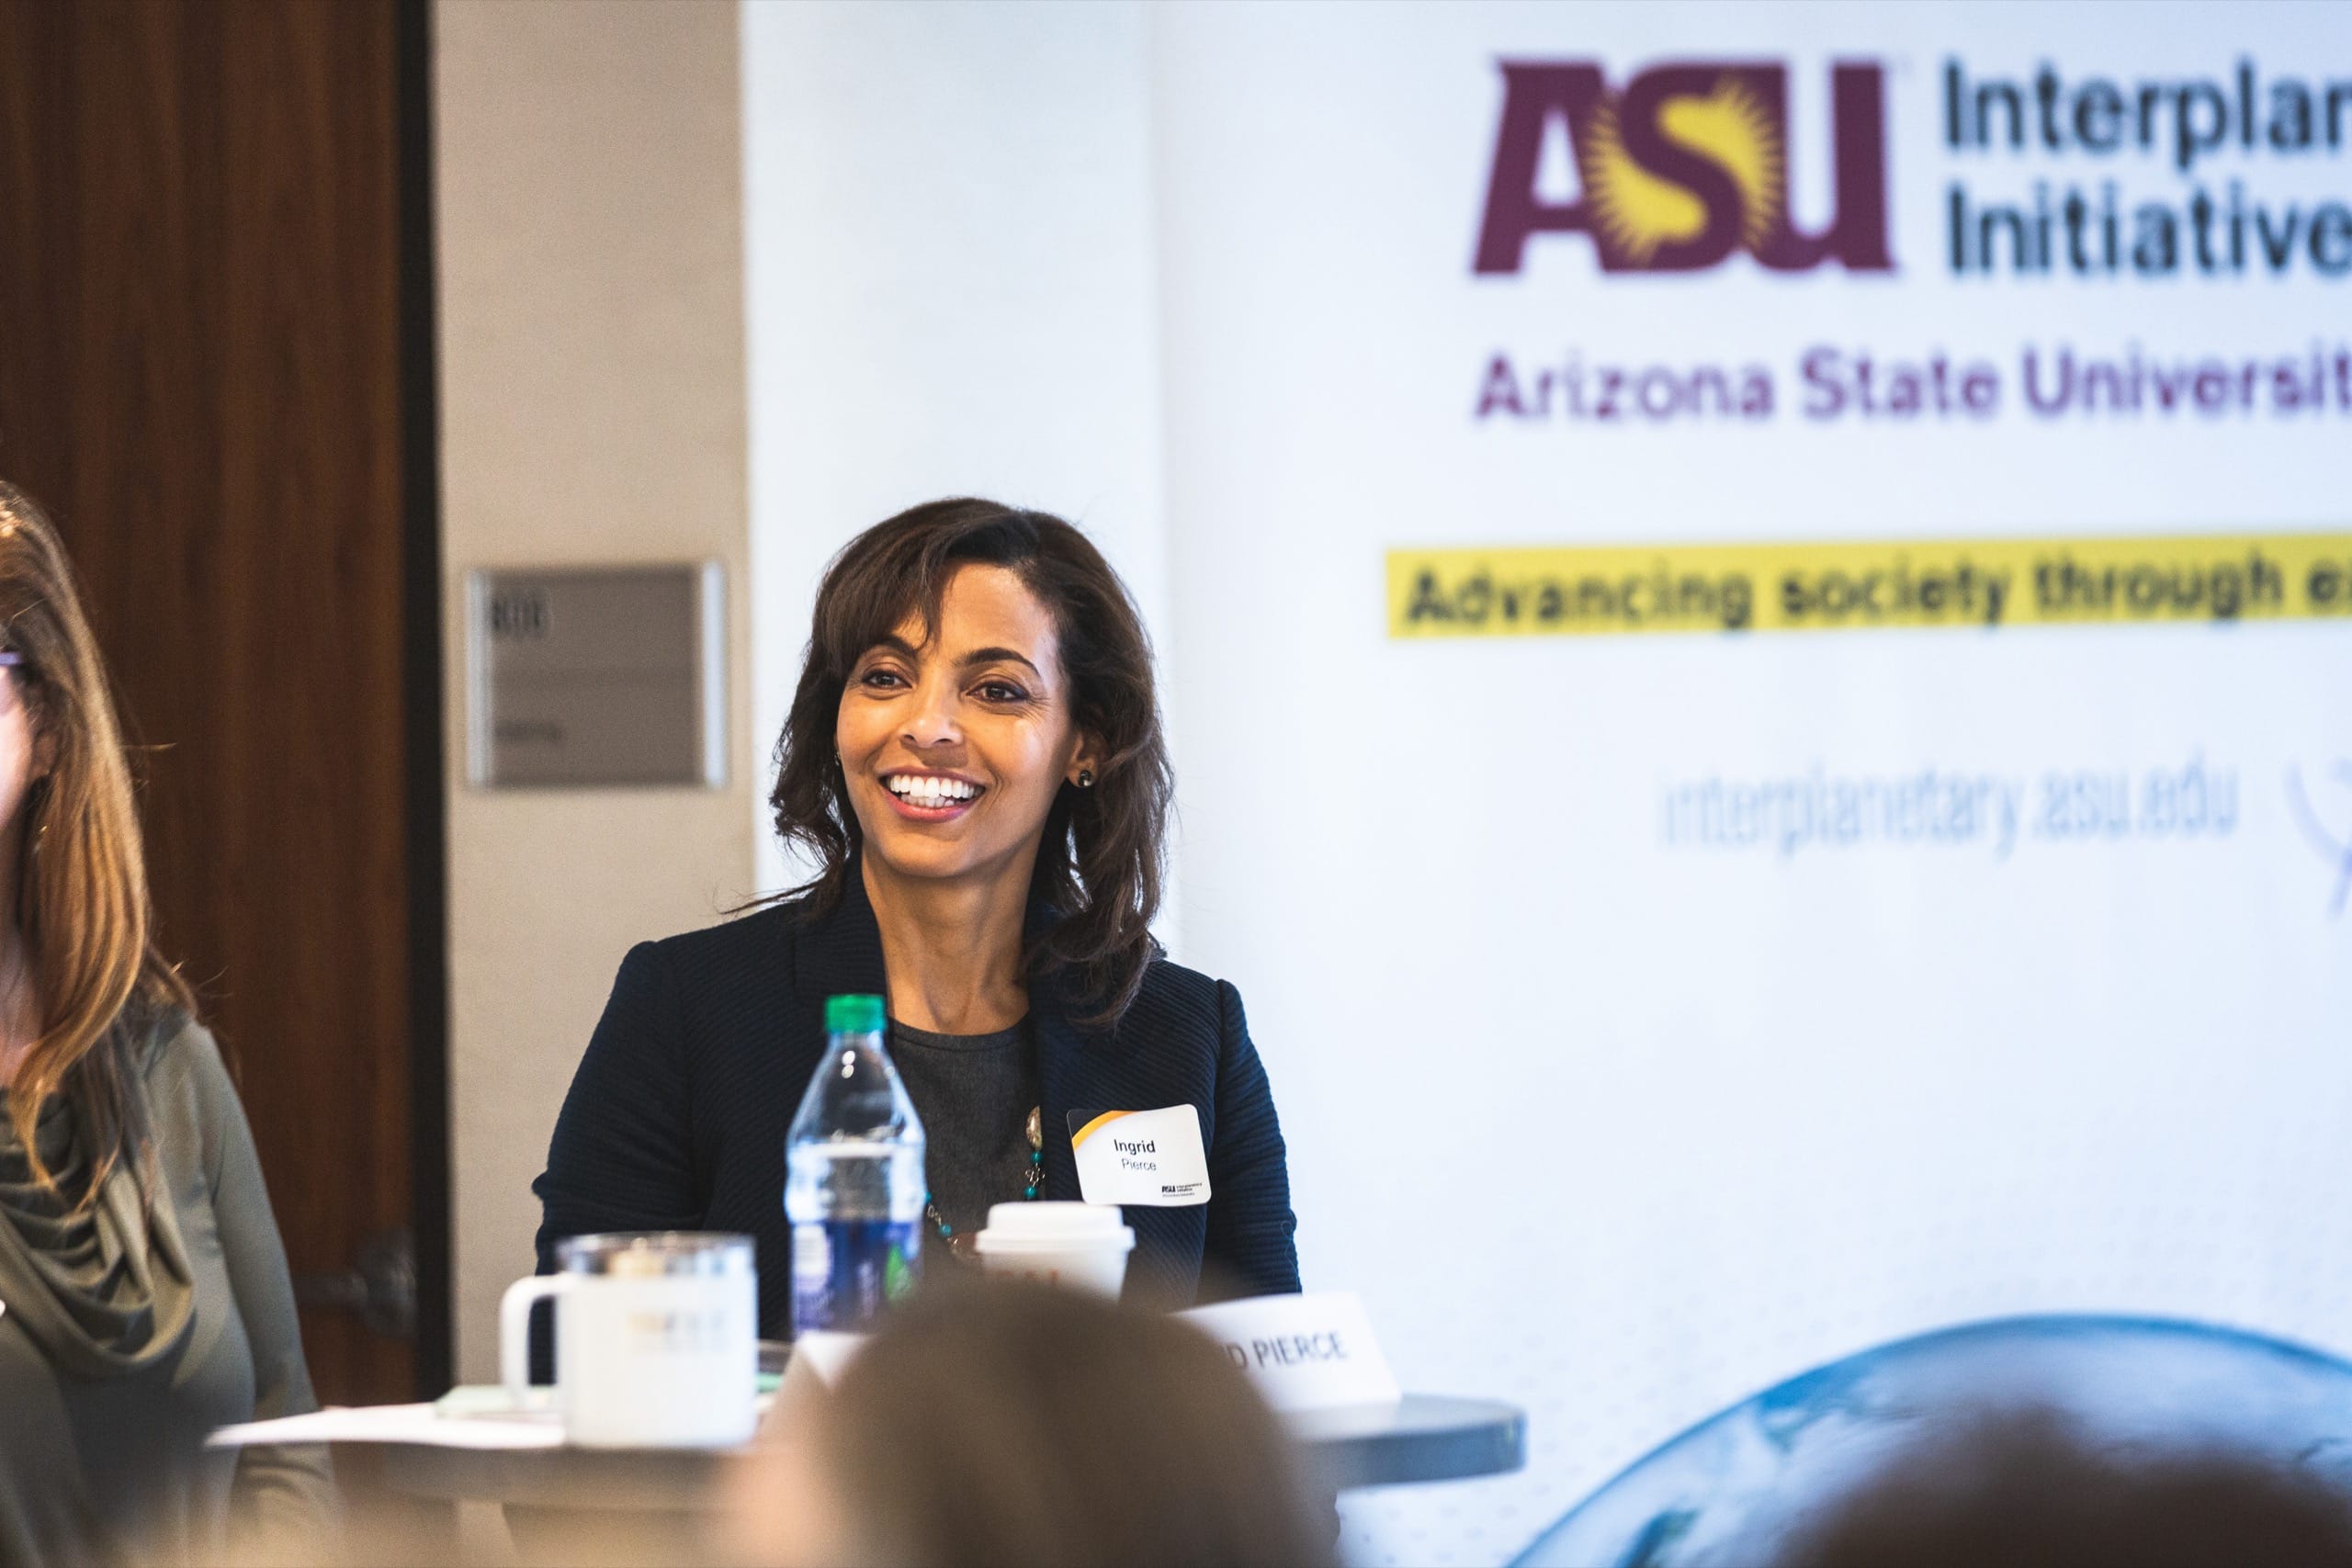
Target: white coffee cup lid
1026, 1223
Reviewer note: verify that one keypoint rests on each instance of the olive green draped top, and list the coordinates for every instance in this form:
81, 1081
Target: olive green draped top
133, 1326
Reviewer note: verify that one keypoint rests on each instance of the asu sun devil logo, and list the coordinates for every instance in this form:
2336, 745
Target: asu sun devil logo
1684, 166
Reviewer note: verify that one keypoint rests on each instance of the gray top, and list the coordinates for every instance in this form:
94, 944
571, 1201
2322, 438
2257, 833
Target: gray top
130, 1329
974, 1093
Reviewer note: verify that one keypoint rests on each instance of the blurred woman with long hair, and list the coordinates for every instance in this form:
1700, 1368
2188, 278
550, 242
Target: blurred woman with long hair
144, 1298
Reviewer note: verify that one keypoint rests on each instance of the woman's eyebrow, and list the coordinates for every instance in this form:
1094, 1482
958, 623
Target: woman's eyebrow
992, 655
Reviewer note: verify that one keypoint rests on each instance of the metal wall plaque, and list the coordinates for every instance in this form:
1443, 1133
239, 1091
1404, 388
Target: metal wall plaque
601, 676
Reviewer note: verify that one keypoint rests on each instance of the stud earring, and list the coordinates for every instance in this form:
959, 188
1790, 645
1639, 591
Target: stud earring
1086, 778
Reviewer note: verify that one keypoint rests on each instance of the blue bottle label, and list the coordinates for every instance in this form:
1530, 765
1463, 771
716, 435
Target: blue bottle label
846, 1273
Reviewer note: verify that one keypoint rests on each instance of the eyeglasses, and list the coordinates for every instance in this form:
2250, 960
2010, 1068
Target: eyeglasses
10, 658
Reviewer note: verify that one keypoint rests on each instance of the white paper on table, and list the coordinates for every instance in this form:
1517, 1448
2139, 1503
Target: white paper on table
395, 1424
825, 1352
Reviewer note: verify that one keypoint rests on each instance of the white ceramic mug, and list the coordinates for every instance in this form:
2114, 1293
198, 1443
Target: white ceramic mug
656, 1339
1082, 1246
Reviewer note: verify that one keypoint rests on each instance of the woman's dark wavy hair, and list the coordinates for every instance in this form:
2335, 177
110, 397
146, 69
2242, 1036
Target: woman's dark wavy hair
1100, 866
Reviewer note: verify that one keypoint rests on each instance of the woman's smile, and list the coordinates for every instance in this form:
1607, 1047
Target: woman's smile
923, 796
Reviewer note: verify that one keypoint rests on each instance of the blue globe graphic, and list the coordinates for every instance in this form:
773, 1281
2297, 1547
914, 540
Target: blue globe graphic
1726, 1492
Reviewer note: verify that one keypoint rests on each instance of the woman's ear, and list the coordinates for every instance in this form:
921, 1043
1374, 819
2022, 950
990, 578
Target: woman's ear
45, 758
1086, 763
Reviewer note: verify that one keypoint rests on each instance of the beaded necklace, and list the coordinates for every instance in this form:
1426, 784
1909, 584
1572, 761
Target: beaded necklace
957, 1245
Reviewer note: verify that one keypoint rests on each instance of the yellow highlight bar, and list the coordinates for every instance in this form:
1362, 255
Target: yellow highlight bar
1091, 1127
1576, 590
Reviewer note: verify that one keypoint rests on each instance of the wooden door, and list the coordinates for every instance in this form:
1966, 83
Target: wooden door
215, 373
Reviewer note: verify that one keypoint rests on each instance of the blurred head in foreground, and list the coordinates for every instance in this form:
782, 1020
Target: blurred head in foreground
997, 1422
2024, 1489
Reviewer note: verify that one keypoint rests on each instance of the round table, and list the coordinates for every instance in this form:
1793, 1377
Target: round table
1426, 1438
1423, 1439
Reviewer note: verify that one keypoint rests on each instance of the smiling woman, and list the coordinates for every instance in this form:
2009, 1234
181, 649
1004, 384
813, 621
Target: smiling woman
954, 745
973, 760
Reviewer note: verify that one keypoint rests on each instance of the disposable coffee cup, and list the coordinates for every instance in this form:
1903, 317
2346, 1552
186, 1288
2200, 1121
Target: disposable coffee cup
1083, 1246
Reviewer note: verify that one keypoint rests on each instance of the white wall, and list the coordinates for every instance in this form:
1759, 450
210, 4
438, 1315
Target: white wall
587, 174
949, 255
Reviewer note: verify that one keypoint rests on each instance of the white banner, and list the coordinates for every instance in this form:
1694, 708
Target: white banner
1728, 1002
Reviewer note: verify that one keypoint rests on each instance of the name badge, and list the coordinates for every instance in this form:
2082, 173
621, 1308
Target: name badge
1311, 1352
1151, 1158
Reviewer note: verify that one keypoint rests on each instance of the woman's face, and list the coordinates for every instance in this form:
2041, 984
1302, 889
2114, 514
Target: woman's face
22, 757
954, 744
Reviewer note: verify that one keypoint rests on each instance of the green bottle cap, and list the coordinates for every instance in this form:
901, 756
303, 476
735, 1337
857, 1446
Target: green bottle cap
853, 1015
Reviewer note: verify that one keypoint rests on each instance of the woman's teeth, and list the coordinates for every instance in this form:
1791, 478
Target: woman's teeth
917, 791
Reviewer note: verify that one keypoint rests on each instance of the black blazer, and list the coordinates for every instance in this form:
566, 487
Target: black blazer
677, 1116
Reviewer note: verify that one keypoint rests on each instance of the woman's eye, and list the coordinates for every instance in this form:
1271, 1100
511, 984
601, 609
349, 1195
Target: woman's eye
1001, 692
878, 677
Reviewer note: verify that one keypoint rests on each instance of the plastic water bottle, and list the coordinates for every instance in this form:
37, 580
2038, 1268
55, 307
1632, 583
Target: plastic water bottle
854, 1179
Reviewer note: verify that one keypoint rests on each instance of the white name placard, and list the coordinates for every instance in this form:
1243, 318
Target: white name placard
819, 1358
1308, 1352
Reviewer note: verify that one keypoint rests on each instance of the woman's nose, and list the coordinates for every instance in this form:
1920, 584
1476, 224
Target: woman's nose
932, 722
